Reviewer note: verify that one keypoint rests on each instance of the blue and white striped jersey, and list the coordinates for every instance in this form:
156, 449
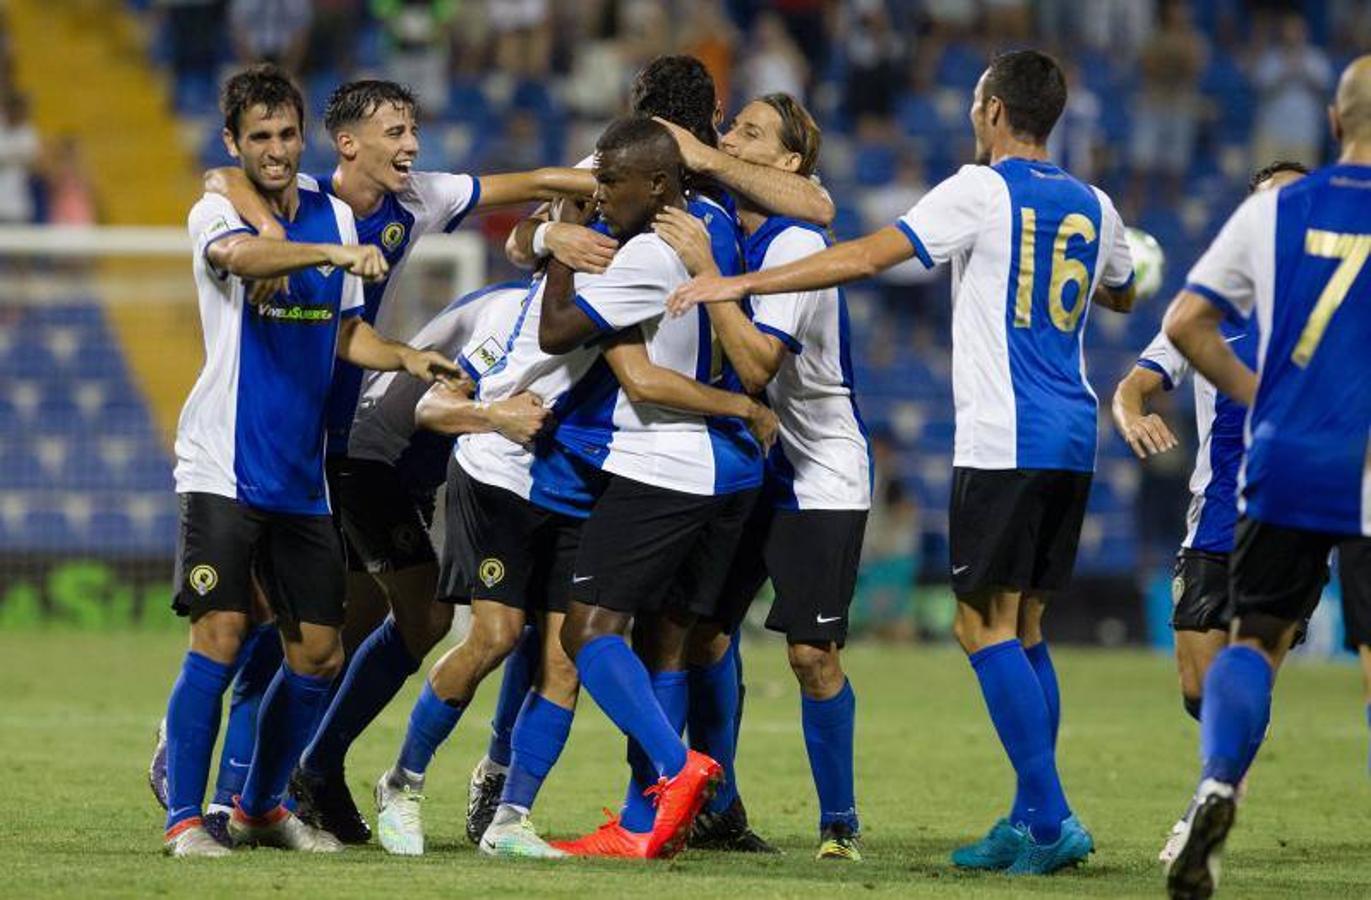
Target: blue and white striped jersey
252, 428
1213, 510
1297, 258
1028, 245
822, 459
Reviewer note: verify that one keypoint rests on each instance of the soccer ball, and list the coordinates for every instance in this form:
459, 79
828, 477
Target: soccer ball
1149, 262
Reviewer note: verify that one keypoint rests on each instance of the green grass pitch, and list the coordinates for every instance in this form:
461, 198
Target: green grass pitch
77, 712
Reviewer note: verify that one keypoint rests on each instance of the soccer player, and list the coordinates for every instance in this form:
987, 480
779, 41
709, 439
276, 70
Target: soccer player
1296, 258
249, 472
1354, 577
374, 129
806, 534
1031, 247
1200, 614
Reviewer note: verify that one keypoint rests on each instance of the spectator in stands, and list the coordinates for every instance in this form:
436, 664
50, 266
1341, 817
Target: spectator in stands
1293, 77
710, 36
874, 54
1117, 28
71, 193
522, 35
419, 46
194, 31
1078, 138
1168, 109
275, 31
19, 148
333, 36
773, 63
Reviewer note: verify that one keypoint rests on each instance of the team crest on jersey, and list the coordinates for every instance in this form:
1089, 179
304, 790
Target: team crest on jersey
392, 235
202, 579
487, 355
492, 571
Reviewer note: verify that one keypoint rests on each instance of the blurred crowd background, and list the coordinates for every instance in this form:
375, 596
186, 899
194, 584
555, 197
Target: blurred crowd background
1172, 105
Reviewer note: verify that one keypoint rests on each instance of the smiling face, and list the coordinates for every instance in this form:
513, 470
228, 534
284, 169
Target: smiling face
269, 144
756, 138
382, 145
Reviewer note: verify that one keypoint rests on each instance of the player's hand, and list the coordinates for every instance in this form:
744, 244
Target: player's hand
520, 418
688, 236
363, 260
704, 289
579, 247
694, 153
264, 289
763, 424
1149, 435
429, 366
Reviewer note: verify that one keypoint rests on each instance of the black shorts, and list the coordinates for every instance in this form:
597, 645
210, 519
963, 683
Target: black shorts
499, 546
1354, 576
1015, 528
644, 546
1278, 571
811, 557
384, 525
1199, 591
222, 542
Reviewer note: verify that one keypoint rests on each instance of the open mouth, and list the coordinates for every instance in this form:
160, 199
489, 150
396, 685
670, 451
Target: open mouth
402, 166
276, 170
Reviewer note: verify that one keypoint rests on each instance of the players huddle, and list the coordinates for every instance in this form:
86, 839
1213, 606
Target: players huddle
624, 468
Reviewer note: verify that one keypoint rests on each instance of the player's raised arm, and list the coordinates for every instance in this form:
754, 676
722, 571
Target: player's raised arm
451, 409
546, 184
359, 344
783, 193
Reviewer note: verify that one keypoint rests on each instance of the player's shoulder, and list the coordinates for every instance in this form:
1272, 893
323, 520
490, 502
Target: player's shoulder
649, 252
795, 240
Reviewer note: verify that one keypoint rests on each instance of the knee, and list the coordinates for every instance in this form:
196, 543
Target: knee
435, 627
1192, 705
576, 633
815, 667
493, 641
318, 658
219, 637
707, 645
559, 682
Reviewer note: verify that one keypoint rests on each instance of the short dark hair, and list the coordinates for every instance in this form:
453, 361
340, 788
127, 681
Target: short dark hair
799, 132
266, 85
1277, 167
680, 90
1032, 88
640, 134
358, 100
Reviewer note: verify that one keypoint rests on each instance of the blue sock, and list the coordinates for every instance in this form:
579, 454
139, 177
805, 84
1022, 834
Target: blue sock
540, 733
197, 699
1041, 662
290, 708
1237, 706
378, 669
672, 690
520, 667
430, 722
258, 660
828, 729
1018, 709
617, 680
713, 718
736, 649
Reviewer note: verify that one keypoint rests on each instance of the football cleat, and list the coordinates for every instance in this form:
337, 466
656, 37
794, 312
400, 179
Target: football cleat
216, 823
1173, 843
324, 802
517, 839
610, 839
997, 850
838, 841
281, 829
1071, 848
483, 797
727, 831
189, 838
157, 769
679, 800
1194, 873
399, 825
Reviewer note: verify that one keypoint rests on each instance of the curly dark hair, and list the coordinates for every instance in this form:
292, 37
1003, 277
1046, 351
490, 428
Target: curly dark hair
680, 90
1277, 167
266, 85
357, 100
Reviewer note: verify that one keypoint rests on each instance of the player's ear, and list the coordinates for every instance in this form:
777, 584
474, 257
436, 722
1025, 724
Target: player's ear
230, 144
346, 144
792, 162
718, 114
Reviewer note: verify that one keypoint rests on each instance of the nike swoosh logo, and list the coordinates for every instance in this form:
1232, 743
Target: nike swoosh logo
957, 570
1236, 337
238, 765
822, 621
577, 579
177, 812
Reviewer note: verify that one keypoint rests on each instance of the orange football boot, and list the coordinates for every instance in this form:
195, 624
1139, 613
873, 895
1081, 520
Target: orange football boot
610, 839
679, 800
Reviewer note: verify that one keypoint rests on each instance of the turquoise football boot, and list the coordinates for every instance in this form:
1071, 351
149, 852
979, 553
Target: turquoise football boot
1070, 849
997, 850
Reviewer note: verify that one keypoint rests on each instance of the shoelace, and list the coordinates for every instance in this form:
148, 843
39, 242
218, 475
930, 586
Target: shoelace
655, 792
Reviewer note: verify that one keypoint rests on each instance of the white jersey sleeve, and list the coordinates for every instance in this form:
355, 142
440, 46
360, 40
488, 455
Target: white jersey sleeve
211, 219
1162, 357
353, 299
785, 316
1117, 268
441, 200
635, 286
948, 219
1226, 274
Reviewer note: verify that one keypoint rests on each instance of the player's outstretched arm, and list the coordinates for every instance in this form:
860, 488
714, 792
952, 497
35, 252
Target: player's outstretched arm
562, 325
1120, 299
1192, 324
839, 264
452, 410
1146, 433
250, 256
546, 184
359, 344
755, 356
645, 382
782, 193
